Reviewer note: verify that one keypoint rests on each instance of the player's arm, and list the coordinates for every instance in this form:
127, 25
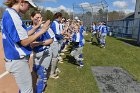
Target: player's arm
30, 39
48, 42
32, 31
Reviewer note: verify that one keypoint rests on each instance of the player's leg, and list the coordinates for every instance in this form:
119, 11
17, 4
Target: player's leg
20, 70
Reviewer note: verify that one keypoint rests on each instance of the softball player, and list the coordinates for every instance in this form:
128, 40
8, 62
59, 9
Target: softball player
15, 42
104, 31
78, 40
99, 32
42, 53
56, 44
94, 32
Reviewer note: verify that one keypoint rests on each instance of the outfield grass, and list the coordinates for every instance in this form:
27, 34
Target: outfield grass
117, 53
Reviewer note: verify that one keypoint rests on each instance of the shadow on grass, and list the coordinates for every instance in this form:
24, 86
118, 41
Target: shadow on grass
129, 42
70, 59
93, 43
88, 41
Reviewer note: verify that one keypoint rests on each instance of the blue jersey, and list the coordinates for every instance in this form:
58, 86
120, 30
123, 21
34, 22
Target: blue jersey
55, 26
48, 35
78, 37
99, 28
104, 29
82, 29
13, 31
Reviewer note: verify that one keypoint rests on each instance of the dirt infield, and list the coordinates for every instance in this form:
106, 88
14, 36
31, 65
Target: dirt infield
7, 83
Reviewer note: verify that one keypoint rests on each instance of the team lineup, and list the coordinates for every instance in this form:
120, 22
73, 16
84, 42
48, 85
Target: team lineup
45, 41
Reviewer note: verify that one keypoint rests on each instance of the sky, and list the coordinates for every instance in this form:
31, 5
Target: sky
56, 5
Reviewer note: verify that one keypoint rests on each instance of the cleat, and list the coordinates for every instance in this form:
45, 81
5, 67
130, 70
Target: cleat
61, 62
54, 76
62, 54
57, 70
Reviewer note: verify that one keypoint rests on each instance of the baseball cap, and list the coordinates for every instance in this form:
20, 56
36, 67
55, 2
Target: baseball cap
31, 2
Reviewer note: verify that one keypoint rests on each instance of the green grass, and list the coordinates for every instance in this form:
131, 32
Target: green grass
117, 54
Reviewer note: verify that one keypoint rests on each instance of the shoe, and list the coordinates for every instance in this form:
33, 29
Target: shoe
62, 54
64, 50
54, 76
61, 61
81, 66
101, 46
81, 59
57, 70
60, 58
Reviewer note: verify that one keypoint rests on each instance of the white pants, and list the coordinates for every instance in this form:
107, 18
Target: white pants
20, 70
76, 52
55, 49
43, 58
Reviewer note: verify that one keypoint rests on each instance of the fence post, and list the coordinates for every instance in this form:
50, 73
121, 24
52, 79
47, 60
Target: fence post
138, 39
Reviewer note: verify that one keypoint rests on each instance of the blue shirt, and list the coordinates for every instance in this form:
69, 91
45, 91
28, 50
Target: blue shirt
99, 28
104, 29
13, 31
55, 26
48, 35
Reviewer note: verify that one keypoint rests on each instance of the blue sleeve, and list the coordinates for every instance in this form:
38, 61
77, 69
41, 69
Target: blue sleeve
29, 28
81, 29
10, 29
59, 37
53, 27
74, 38
47, 35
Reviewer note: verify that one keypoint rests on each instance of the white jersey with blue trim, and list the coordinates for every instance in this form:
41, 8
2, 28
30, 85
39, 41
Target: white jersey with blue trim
78, 37
94, 28
47, 35
61, 27
13, 31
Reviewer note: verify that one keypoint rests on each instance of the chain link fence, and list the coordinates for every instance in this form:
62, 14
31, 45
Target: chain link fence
91, 12
129, 28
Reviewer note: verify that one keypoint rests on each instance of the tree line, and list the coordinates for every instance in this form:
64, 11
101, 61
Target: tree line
47, 14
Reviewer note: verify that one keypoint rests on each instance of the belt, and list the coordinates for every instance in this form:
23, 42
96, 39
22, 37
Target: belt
45, 47
7, 60
10, 60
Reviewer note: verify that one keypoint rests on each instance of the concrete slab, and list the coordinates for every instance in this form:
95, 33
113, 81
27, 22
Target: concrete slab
115, 80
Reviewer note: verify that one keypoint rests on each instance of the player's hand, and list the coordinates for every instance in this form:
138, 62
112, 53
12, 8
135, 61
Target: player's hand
46, 25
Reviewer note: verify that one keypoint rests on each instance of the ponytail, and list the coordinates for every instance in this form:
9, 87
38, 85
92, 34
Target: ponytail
10, 3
